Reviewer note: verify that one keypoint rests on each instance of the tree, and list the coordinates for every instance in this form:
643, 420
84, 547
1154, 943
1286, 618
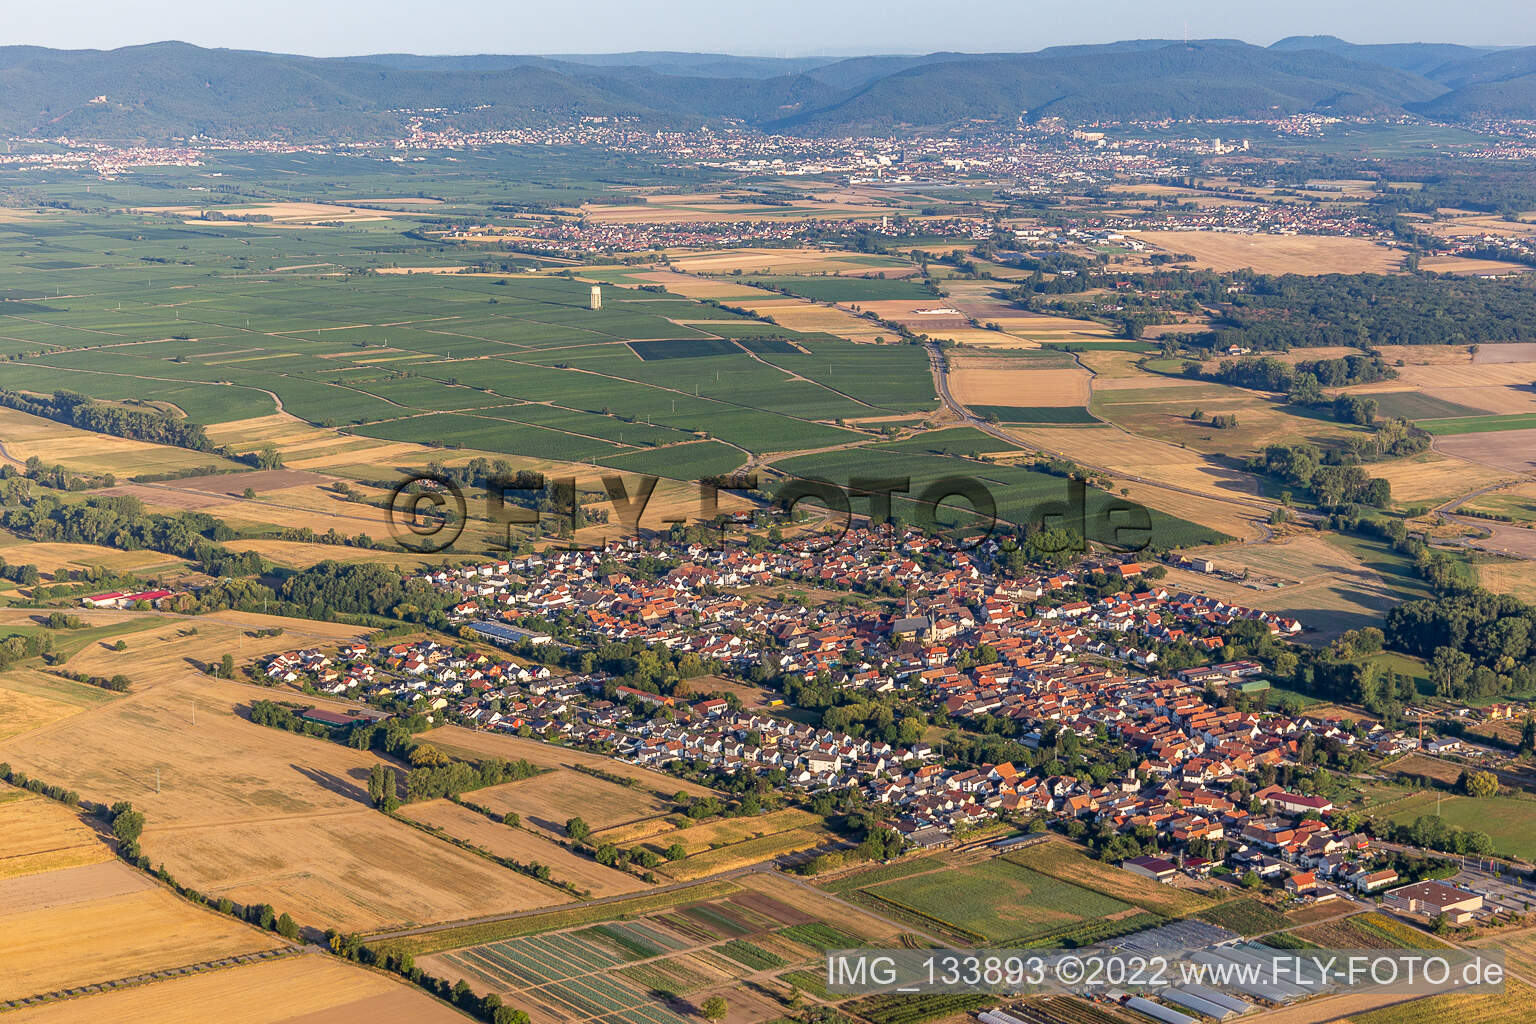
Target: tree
427, 756
1480, 785
676, 852
1450, 668
227, 667
512, 819
578, 830
381, 784
127, 823
714, 1008
508, 1015
286, 927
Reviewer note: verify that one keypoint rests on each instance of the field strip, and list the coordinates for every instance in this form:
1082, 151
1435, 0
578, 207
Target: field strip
149, 977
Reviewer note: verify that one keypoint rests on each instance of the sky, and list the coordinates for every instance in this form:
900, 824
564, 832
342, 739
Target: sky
327, 28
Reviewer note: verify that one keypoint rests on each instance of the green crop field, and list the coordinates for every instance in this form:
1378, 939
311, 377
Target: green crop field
1411, 405
1021, 495
1479, 424
846, 289
995, 900
1509, 820
1244, 916
1035, 414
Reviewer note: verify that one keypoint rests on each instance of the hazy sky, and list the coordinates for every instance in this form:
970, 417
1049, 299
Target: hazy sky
773, 27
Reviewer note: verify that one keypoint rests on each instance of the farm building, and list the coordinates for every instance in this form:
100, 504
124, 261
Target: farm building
501, 633
1433, 899
1155, 868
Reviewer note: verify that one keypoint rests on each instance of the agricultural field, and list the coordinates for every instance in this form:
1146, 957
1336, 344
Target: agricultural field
978, 380
1516, 577
282, 991
1512, 1006
625, 963
98, 923
1509, 820
526, 847
547, 801
474, 743
1244, 917
1367, 931
260, 815
1068, 863
1327, 585
1020, 494
1432, 477
994, 901
31, 699
1277, 254
42, 836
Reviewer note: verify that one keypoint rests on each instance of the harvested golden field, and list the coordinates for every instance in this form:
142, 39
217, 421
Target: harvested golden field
1433, 477
31, 699
1510, 450
177, 649
134, 927
1517, 578
745, 853
700, 287
1468, 374
262, 815
1512, 1006
699, 208
978, 380
522, 846
728, 831
287, 215
795, 314
51, 557
549, 800
1327, 587
356, 870
1468, 265
1467, 222
1111, 367
308, 447
41, 835
294, 554
1507, 399
787, 261
476, 743
86, 451
1119, 451
1167, 414
1277, 254
291, 990
800, 315
1238, 521
1198, 477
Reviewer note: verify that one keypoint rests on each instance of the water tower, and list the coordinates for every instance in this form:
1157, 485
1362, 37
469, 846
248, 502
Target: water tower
597, 296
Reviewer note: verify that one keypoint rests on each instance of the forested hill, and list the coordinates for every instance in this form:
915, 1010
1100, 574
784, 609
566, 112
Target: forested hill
166, 90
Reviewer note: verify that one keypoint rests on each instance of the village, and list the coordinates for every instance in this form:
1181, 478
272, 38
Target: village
1192, 790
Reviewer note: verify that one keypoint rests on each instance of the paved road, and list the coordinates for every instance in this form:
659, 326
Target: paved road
1501, 538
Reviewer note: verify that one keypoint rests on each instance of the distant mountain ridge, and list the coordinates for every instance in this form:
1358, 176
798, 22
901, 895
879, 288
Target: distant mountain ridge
171, 89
